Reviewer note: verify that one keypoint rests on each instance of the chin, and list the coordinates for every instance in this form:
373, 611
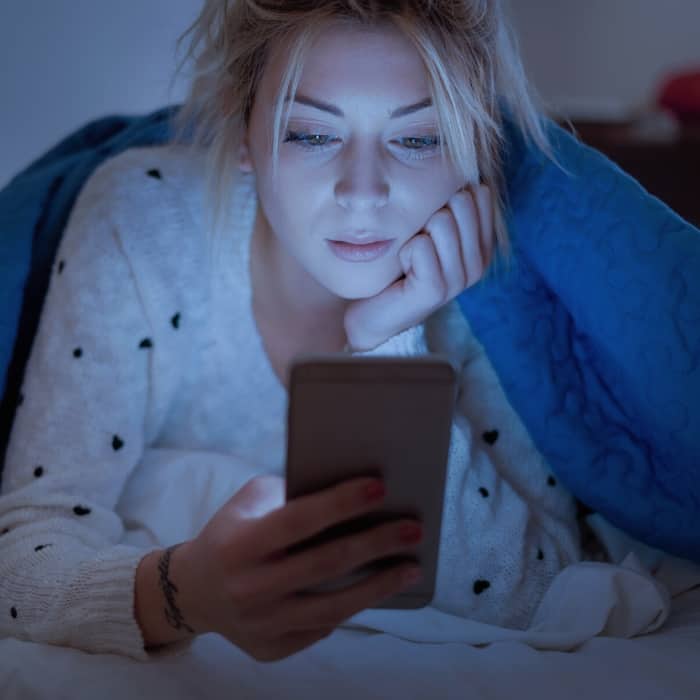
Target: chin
352, 289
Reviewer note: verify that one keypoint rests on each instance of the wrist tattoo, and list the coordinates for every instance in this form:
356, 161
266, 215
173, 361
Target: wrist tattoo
172, 612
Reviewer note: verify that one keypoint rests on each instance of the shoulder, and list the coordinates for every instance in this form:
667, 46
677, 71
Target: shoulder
138, 222
150, 198
155, 177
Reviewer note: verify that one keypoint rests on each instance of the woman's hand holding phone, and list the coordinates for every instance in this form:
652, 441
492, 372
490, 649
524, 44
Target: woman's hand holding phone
450, 254
236, 578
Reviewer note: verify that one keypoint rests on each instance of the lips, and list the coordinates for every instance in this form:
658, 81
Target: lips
359, 238
365, 252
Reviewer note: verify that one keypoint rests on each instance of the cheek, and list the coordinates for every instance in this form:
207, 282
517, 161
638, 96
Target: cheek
294, 176
432, 184
448, 180
301, 196
280, 189
295, 200
428, 195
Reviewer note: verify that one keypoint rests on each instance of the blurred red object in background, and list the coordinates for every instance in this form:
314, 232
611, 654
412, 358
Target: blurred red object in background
680, 94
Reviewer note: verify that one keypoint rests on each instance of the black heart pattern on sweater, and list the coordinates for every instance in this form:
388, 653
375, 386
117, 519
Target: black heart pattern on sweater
175, 320
81, 510
480, 586
490, 436
117, 443
155, 173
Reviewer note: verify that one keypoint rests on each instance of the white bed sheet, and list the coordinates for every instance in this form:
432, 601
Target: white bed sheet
663, 665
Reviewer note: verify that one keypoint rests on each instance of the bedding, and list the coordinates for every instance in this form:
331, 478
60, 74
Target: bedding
630, 628
599, 319
351, 664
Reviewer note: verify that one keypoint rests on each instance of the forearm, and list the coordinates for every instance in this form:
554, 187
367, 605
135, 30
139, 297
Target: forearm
159, 601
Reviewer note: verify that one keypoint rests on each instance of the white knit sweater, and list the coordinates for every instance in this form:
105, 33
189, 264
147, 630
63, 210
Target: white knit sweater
140, 368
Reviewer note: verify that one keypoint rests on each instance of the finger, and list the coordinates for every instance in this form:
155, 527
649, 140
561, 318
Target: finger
334, 559
466, 212
443, 229
332, 609
420, 291
308, 515
424, 276
484, 201
404, 303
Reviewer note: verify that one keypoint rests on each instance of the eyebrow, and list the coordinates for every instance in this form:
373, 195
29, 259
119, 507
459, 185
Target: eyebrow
325, 107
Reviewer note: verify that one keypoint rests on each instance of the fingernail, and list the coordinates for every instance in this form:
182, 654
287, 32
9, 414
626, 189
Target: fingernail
375, 491
411, 533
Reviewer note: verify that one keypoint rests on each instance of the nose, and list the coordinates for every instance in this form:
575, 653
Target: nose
362, 184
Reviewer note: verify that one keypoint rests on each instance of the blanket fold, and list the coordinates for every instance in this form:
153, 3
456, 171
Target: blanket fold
599, 320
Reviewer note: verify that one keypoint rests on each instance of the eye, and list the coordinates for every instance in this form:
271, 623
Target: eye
309, 142
419, 147
413, 147
419, 142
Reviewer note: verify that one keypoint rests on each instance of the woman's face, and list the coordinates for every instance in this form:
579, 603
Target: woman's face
359, 158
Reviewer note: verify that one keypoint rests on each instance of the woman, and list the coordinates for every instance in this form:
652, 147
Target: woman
190, 276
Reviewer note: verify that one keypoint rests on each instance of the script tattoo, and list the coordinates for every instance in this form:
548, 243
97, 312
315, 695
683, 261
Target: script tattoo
172, 612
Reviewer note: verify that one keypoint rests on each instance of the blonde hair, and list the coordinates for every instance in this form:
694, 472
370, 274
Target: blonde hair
468, 48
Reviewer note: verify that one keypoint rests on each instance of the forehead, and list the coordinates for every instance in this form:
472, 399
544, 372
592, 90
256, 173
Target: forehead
378, 61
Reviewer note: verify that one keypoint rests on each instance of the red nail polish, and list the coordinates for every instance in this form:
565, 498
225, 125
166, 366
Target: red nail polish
375, 491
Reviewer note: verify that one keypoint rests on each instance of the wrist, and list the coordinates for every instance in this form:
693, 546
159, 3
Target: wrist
410, 341
162, 600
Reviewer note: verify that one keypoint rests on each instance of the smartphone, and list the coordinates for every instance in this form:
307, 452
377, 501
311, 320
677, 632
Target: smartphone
351, 416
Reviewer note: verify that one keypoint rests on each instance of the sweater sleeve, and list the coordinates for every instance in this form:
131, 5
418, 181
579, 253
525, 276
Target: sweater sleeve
508, 526
77, 436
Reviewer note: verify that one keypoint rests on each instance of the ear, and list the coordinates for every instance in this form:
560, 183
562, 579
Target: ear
245, 164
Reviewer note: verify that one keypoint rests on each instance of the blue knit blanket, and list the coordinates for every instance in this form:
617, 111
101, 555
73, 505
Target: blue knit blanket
595, 333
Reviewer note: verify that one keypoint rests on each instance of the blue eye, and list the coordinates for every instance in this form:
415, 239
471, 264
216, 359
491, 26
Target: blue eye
414, 147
